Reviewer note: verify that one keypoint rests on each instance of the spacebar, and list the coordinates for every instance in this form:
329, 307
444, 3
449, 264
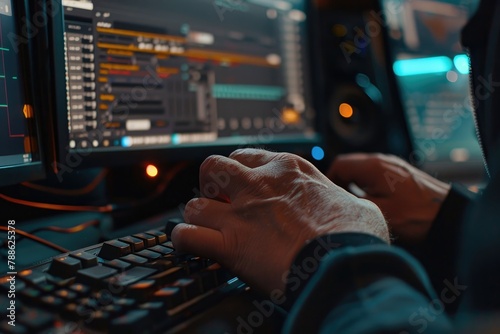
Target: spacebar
130, 276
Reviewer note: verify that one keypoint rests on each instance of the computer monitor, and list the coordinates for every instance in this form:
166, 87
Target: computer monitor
20, 157
180, 79
432, 71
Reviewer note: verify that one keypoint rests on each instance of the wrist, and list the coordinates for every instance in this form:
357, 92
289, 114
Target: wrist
308, 259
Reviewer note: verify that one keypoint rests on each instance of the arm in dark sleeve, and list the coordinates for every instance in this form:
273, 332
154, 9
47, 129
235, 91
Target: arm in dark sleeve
439, 253
361, 287
479, 256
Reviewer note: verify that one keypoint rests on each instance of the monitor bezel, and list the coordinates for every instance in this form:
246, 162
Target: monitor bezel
11, 175
64, 159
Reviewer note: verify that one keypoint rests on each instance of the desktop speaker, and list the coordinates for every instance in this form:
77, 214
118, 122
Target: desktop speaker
361, 97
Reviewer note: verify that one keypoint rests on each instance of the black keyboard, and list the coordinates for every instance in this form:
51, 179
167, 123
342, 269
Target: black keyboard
134, 284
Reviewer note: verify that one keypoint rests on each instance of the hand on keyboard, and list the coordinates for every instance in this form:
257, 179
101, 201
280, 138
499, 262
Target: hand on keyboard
409, 198
260, 208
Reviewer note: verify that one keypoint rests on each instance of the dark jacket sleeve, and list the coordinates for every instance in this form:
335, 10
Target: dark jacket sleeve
362, 287
480, 255
439, 253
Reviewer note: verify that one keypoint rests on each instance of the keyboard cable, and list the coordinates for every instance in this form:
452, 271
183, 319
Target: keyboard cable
57, 229
37, 239
69, 192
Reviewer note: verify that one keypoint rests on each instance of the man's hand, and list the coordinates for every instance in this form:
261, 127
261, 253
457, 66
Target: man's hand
409, 198
260, 208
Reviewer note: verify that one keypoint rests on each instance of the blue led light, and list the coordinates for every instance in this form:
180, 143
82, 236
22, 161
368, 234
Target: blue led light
318, 153
126, 142
419, 66
176, 140
462, 64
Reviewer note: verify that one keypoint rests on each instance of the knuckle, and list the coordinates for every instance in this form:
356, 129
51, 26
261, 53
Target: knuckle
209, 164
287, 157
379, 157
238, 153
192, 209
375, 161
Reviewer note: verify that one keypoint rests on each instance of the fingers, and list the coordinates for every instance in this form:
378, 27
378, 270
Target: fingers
222, 178
354, 168
253, 158
207, 213
198, 240
202, 233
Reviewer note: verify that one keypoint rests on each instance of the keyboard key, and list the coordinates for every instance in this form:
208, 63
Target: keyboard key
167, 276
31, 294
168, 244
160, 236
195, 265
103, 297
125, 303
88, 260
32, 277
113, 309
155, 309
47, 287
76, 312
118, 264
87, 306
142, 290
171, 296
99, 320
208, 280
134, 259
171, 224
161, 264
190, 288
59, 281
136, 243
114, 249
35, 320
94, 276
172, 257
69, 311
149, 254
80, 289
149, 240
51, 302
131, 322
222, 275
64, 267
65, 294
129, 277
161, 249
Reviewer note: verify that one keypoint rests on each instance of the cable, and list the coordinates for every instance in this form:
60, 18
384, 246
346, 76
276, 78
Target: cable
69, 192
58, 207
69, 230
58, 229
37, 239
102, 209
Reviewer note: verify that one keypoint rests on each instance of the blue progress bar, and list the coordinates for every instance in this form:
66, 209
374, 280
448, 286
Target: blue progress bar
248, 92
420, 66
